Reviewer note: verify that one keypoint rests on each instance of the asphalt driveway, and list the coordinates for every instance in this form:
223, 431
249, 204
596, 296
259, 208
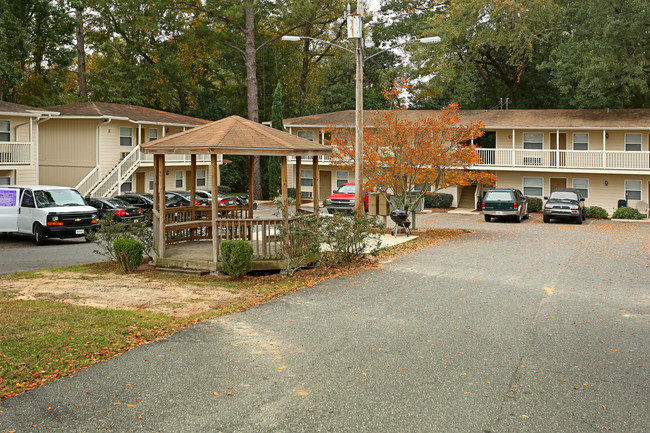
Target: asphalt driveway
514, 328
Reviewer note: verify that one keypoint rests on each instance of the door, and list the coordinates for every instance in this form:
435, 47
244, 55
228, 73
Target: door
561, 146
325, 185
139, 182
557, 182
27, 212
8, 210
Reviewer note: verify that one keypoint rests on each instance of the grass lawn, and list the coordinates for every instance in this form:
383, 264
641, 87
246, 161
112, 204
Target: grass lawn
43, 340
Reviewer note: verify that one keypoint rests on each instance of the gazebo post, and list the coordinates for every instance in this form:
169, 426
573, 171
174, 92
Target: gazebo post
214, 166
316, 176
192, 183
159, 188
285, 195
298, 183
251, 184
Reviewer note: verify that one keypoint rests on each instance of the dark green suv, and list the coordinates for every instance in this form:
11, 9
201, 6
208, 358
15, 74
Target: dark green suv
505, 202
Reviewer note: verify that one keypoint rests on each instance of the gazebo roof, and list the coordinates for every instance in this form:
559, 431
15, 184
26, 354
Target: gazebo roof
235, 135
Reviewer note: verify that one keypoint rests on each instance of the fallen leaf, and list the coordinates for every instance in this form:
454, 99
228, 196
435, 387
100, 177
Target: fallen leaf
130, 405
303, 393
216, 393
603, 406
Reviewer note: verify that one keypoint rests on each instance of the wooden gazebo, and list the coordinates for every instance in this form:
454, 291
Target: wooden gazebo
182, 235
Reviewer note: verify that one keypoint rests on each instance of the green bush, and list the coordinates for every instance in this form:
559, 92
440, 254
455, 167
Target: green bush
596, 212
128, 253
236, 257
534, 204
627, 213
110, 230
300, 241
442, 200
291, 192
348, 236
224, 189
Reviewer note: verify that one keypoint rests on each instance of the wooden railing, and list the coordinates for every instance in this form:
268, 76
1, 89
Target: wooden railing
574, 159
15, 153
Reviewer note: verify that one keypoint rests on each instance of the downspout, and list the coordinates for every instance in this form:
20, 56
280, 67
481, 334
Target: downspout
37, 148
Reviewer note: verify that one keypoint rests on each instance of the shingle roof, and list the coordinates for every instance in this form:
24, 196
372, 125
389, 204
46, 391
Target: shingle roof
602, 118
132, 112
10, 107
236, 135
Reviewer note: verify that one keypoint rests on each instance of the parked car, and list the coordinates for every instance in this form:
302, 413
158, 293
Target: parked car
505, 202
342, 199
224, 200
119, 209
242, 200
565, 203
144, 201
182, 198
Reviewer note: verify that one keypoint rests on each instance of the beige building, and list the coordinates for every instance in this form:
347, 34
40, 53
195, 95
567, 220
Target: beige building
19, 135
95, 147
605, 153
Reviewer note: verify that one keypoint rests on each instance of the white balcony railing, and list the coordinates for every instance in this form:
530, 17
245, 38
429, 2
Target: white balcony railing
308, 159
15, 153
182, 159
609, 160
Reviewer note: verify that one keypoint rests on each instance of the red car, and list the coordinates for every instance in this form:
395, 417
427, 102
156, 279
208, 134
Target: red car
342, 200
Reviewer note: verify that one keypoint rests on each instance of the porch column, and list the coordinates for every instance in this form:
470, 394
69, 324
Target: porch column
159, 204
557, 148
604, 152
298, 183
192, 182
316, 176
214, 165
285, 194
251, 184
513, 148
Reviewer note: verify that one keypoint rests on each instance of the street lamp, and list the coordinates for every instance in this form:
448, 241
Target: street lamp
355, 31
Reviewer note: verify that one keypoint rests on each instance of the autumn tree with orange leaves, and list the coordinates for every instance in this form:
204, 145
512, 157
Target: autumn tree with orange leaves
432, 152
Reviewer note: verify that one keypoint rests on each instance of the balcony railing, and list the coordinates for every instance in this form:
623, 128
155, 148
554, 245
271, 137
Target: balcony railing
171, 159
308, 159
573, 159
15, 153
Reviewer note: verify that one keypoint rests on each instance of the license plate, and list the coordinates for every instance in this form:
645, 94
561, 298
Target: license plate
79, 231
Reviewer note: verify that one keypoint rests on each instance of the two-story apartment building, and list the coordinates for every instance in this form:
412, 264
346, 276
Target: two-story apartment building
605, 153
19, 134
95, 147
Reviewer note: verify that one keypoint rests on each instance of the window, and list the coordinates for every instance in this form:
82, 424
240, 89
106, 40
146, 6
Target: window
534, 186
307, 135
127, 186
533, 140
28, 199
5, 180
200, 178
5, 130
126, 136
582, 185
306, 178
305, 194
153, 134
633, 143
151, 181
179, 178
633, 189
341, 178
580, 141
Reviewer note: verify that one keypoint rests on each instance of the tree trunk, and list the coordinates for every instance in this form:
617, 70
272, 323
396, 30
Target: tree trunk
251, 83
305, 69
81, 56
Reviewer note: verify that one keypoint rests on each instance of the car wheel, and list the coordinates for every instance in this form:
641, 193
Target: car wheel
579, 219
546, 219
517, 218
488, 218
254, 205
39, 234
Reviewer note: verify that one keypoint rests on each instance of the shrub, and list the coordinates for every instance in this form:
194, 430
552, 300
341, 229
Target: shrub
348, 236
442, 200
128, 253
300, 240
596, 212
236, 257
627, 213
291, 192
111, 230
534, 204
224, 189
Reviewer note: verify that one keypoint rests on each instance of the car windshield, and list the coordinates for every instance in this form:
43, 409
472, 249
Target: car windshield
117, 202
564, 195
58, 197
346, 189
498, 196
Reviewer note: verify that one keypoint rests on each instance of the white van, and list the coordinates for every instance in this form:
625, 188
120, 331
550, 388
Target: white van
45, 211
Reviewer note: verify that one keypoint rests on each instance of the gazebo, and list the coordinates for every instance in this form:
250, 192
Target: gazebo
189, 237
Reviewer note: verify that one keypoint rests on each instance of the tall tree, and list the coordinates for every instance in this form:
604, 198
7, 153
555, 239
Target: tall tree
81, 54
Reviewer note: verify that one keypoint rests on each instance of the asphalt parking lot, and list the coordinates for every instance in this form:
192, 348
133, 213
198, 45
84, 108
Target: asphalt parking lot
525, 327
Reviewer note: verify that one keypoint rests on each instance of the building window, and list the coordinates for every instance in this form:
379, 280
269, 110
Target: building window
341, 178
5, 180
633, 190
151, 181
582, 185
179, 178
126, 136
153, 134
306, 178
533, 140
306, 134
5, 130
633, 142
534, 186
127, 186
580, 141
305, 194
200, 178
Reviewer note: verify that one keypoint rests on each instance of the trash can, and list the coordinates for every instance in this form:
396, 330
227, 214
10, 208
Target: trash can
622, 203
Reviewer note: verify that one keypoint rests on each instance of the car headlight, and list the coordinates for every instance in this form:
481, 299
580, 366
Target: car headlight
54, 218
328, 201
94, 216
574, 207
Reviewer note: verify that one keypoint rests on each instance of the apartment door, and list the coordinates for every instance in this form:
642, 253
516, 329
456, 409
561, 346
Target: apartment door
557, 182
558, 145
325, 188
139, 182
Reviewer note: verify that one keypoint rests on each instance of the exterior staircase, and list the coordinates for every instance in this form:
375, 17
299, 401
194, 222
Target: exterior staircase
94, 186
467, 199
